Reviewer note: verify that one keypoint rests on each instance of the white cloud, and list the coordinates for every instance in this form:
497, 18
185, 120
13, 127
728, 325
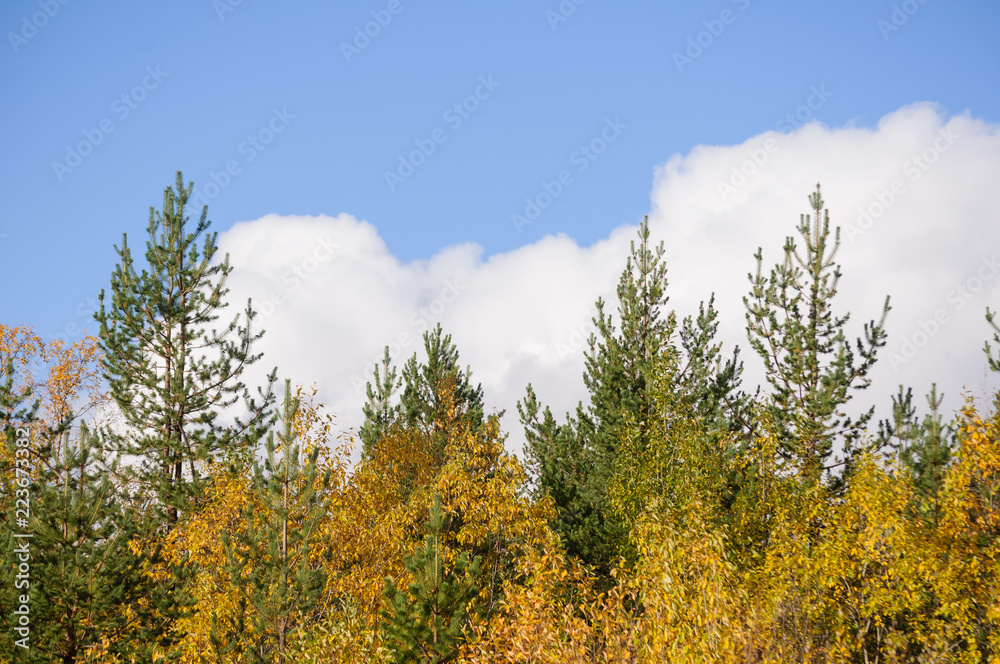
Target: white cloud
335, 296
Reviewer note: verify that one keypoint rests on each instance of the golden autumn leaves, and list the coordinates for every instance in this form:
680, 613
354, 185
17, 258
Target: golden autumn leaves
789, 570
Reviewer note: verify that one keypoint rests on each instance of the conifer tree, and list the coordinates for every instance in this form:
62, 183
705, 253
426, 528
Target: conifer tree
423, 405
15, 408
271, 561
90, 584
379, 412
575, 462
924, 446
17, 413
430, 390
424, 624
994, 362
810, 365
896, 432
169, 369
86, 584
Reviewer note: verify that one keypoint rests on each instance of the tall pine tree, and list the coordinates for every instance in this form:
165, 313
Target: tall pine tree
86, 585
170, 371
994, 362
575, 462
272, 560
810, 365
379, 411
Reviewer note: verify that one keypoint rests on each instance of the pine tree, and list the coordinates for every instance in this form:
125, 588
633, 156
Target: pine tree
924, 447
575, 463
809, 363
379, 412
435, 392
15, 408
994, 362
91, 585
271, 561
709, 387
423, 405
18, 415
561, 465
896, 432
424, 624
86, 583
169, 370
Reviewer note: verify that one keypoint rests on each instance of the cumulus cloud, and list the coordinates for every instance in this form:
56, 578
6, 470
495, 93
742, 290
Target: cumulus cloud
912, 196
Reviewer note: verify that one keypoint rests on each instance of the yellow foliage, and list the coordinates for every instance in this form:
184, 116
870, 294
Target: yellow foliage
787, 570
199, 539
542, 618
65, 379
791, 572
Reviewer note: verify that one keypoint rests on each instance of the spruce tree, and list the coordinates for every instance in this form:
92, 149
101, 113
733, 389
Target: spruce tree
271, 559
424, 623
170, 371
810, 365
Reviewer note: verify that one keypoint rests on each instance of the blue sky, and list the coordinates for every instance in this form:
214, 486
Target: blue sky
224, 75
311, 127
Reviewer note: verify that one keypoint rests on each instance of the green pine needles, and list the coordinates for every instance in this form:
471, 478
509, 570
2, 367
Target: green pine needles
577, 462
924, 447
169, 370
86, 570
810, 365
435, 392
424, 623
271, 561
